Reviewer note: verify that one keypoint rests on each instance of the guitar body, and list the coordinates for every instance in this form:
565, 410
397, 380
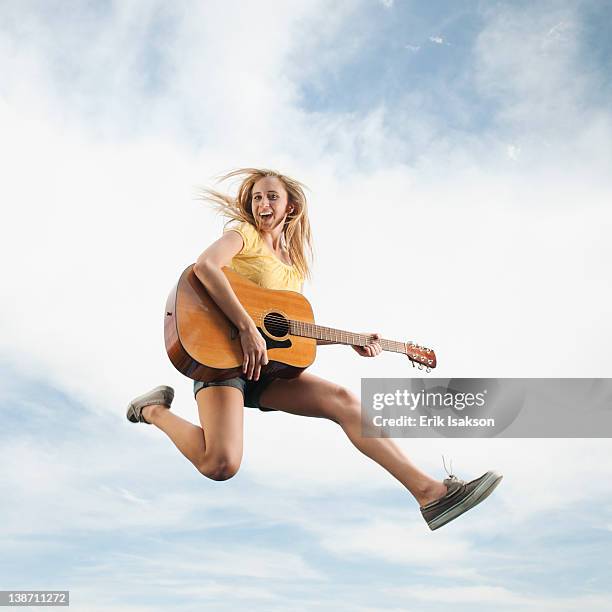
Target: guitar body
203, 344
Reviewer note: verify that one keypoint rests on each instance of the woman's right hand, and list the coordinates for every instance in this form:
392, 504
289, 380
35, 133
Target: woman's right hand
254, 351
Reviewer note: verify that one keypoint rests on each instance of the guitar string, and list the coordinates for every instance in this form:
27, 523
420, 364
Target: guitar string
276, 323
279, 325
273, 318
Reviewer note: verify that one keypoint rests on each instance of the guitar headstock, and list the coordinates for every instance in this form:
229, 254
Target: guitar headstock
422, 355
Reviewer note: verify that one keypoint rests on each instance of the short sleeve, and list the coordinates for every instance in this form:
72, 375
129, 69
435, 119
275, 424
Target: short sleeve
248, 233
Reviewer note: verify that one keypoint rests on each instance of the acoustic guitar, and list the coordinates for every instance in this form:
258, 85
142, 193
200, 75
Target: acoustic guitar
203, 344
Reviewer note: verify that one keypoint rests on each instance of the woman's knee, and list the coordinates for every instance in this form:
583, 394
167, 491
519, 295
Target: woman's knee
346, 407
220, 467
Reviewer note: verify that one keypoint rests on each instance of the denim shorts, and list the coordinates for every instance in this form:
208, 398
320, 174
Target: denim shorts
251, 389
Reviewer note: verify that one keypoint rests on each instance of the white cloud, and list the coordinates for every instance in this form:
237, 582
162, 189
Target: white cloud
192, 563
188, 578
558, 32
438, 40
504, 598
133, 498
513, 152
387, 540
468, 594
537, 81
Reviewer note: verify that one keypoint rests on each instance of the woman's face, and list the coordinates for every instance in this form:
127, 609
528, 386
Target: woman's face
269, 202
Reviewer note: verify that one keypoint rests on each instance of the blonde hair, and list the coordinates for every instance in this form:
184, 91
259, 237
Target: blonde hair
296, 232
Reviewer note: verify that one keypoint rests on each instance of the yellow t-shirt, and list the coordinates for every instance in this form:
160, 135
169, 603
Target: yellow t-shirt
257, 262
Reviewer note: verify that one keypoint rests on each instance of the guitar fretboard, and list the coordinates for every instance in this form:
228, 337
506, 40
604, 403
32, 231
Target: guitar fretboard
339, 336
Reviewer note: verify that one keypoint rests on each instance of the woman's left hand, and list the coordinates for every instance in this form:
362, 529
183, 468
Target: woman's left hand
371, 350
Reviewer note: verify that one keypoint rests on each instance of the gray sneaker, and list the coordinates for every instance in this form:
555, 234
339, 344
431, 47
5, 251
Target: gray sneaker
160, 395
460, 497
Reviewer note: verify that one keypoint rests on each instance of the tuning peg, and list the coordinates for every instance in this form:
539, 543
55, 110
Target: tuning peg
420, 366
428, 369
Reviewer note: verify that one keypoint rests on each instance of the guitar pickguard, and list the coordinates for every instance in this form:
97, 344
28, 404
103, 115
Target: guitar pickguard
273, 343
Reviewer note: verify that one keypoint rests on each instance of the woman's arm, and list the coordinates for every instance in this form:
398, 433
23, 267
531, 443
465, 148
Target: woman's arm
208, 270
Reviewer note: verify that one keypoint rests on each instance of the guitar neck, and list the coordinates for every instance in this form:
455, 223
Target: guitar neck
417, 354
339, 336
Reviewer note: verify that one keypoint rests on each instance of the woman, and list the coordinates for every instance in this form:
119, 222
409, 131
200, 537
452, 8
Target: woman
268, 245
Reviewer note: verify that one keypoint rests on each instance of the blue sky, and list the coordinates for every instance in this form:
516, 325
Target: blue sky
457, 156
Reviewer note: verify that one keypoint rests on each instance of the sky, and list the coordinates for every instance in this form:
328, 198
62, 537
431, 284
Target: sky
457, 157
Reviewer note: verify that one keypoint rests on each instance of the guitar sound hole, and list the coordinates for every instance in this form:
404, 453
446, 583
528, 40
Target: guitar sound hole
276, 324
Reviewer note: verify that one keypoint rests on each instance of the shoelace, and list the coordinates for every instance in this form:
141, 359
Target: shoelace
450, 473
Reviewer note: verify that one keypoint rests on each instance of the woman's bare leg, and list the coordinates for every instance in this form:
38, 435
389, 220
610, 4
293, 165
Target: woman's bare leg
218, 452
187, 437
309, 395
